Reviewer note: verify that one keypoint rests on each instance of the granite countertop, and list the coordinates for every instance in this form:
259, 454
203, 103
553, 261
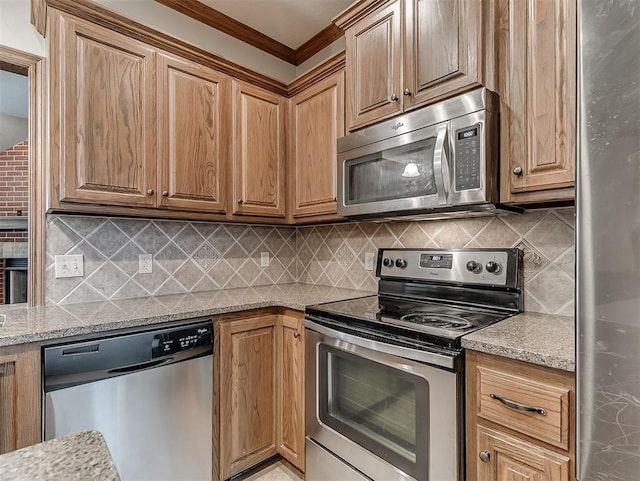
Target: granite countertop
82, 456
544, 339
21, 325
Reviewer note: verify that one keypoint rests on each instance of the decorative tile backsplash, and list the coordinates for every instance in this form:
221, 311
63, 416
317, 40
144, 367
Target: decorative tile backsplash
187, 257
199, 256
334, 254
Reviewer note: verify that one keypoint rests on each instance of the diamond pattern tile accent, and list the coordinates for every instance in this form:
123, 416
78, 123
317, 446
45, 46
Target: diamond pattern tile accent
206, 256
201, 256
534, 262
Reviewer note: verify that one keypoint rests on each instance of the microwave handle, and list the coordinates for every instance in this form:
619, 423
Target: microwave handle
441, 164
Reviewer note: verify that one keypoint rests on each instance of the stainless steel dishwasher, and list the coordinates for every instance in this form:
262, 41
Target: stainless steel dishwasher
149, 393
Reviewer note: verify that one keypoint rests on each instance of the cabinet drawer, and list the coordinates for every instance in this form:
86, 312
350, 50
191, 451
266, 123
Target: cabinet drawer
504, 398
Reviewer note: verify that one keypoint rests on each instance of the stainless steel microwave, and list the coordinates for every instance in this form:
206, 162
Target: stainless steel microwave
438, 161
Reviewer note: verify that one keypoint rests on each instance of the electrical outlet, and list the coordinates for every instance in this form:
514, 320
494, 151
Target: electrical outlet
264, 259
368, 261
145, 263
69, 266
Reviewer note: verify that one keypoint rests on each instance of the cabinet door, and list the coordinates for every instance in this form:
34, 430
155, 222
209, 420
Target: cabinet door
442, 45
248, 395
106, 116
373, 67
316, 122
19, 397
538, 97
194, 130
290, 432
259, 146
511, 459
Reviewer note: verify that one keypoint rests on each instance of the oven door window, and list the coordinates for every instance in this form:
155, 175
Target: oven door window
382, 409
398, 173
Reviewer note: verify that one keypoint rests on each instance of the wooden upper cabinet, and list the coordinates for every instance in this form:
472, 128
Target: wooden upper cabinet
316, 121
538, 99
106, 107
374, 63
259, 152
408, 53
193, 135
442, 43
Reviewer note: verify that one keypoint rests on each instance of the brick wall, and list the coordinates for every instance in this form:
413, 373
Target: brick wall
14, 187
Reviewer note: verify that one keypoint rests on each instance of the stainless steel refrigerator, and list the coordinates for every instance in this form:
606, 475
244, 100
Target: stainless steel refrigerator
608, 241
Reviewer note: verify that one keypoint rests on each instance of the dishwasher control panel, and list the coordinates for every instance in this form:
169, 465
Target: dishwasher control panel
171, 342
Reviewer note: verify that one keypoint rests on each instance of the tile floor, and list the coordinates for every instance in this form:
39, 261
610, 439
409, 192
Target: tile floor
279, 470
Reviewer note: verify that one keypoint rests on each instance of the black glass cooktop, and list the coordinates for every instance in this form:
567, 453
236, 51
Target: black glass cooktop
437, 320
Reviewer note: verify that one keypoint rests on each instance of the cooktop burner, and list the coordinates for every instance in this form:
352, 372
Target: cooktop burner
441, 321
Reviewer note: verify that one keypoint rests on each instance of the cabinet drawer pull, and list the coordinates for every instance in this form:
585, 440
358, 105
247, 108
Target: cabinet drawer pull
394, 98
407, 92
150, 192
240, 201
518, 406
517, 171
296, 334
165, 193
485, 456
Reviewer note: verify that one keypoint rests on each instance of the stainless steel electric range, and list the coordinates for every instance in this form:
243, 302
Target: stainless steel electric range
385, 373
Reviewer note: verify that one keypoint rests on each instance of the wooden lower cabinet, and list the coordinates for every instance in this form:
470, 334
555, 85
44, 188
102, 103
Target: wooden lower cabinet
248, 392
19, 397
290, 429
511, 459
258, 390
506, 442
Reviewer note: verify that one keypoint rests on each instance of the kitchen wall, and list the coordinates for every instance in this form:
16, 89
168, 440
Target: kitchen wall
195, 256
16, 30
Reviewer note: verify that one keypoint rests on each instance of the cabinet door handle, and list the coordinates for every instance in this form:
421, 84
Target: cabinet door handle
517, 171
150, 192
407, 92
296, 334
485, 456
518, 406
240, 201
394, 98
165, 193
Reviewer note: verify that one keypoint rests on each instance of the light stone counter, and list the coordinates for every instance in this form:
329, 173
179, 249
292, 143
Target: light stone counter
20, 325
544, 339
82, 457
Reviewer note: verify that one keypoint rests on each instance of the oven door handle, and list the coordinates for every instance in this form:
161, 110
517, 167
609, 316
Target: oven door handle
436, 359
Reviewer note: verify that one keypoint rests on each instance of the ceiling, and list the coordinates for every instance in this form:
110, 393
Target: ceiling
290, 22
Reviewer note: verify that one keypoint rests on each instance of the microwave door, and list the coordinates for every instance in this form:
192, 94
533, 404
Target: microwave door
406, 172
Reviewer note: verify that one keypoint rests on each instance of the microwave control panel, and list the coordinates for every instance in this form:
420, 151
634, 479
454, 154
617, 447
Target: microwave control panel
467, 159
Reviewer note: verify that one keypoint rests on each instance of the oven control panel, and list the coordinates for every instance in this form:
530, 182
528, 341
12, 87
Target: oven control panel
460, 266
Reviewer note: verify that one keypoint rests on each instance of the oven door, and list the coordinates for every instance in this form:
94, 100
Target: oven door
389, 417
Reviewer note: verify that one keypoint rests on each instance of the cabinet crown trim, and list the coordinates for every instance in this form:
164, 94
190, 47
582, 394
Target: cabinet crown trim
356, 12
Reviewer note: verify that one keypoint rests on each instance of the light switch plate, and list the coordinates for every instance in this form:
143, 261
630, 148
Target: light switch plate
69, 266
264, 259
369, 261
145, 263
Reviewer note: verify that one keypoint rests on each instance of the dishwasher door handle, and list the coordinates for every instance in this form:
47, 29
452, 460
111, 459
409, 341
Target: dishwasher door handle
139, 367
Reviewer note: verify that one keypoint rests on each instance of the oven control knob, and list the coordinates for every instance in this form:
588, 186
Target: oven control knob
401, 263
387, 262
473, 266
493, 267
